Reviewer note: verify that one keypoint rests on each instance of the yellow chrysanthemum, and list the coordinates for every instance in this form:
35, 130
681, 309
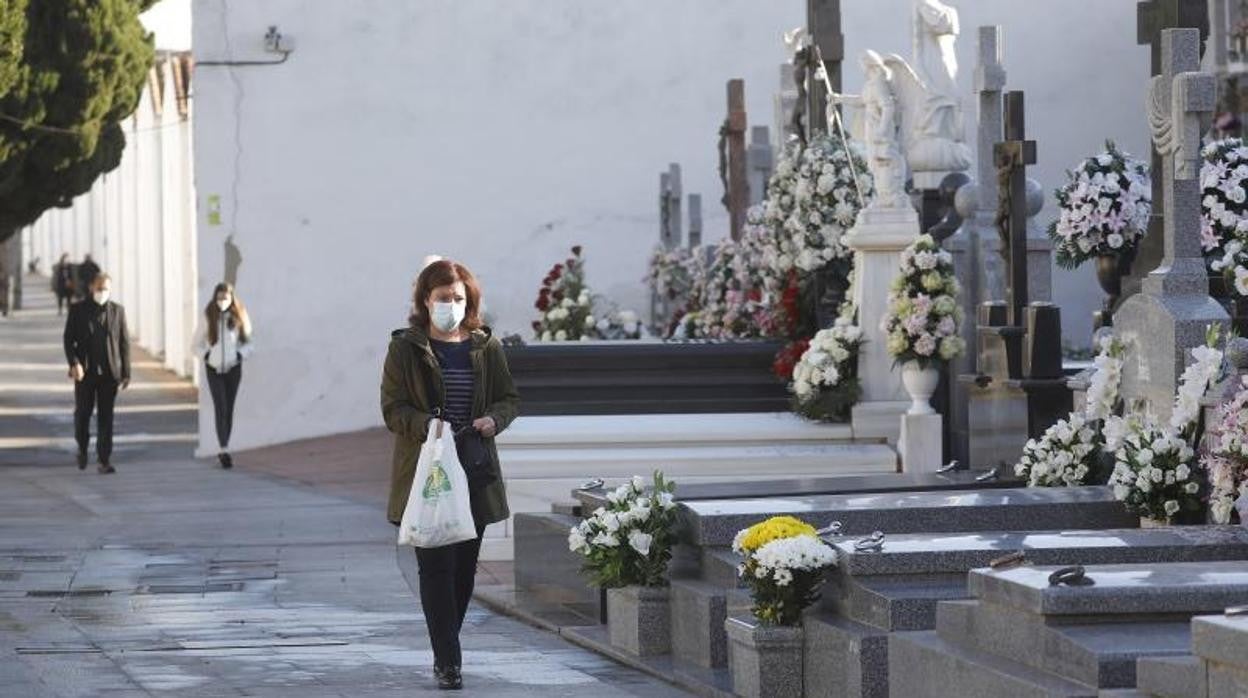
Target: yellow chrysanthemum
777, 527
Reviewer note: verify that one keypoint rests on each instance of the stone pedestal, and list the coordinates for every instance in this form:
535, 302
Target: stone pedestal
920, 443
766, 660
639, 621
877, 238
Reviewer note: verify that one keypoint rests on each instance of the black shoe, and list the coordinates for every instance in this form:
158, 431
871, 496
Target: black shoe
82, 460
226, 461
106, 469
449, 679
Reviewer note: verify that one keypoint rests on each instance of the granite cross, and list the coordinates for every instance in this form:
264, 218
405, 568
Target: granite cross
695, 221
989, 82
732, 165
1171, 313
1153, 17
669, 207
1012, 156
823, 23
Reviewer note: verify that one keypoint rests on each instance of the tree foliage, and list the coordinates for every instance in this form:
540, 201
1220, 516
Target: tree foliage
79, 72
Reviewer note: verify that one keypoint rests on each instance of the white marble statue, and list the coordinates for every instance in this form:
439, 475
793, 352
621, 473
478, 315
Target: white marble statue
932, 120
880, 133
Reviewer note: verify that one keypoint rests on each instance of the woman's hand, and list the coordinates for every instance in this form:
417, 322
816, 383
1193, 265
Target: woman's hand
486, 426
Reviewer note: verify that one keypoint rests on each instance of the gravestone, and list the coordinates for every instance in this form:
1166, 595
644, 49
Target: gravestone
976, 246
761, 162
1170, 314
669, 207
1051, 631
897, 587
1153, 18
1039, 247
695, 221
732, 162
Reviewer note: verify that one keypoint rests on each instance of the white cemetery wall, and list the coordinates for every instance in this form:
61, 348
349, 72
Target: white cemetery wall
499, 133
1085, 79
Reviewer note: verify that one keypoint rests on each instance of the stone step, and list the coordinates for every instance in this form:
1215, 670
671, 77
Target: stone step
719, 567
698, 611
1096, 654
716, 522
544, 567
1222, 639
896, 602
923, 665
844, 658
1175, 588
1171, 677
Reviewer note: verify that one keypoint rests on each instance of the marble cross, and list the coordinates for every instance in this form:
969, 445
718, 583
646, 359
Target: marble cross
1012, 156
989, 82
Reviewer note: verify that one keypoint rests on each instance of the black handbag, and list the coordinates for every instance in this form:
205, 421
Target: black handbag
469, 447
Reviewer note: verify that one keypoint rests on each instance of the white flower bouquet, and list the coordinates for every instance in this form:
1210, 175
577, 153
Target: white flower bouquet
1104, 208
813, 199
825, 378
923, 314
1224, 205
1070, 452
671, 274
622, 324
629, 541
783, 565
1153, 469
734, 295
564, 301
1226, 461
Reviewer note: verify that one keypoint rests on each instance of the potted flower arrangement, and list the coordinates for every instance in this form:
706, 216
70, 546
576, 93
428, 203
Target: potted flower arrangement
1224, 205
1071, 452
922, 321
564, 301
732, 295
670, 277
1103, 214
626, 546
1226, 461
825, 379
1155, 464
783, 565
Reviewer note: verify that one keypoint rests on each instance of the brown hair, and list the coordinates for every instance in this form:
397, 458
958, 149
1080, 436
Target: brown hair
236, 315
445, 272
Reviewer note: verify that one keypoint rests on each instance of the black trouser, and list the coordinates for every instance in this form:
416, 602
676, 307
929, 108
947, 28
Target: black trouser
89, 393
446, 580
224, 388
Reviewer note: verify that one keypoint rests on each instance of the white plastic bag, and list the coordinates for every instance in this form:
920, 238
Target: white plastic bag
438, 511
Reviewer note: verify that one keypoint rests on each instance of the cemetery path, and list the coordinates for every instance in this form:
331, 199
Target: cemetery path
174, 576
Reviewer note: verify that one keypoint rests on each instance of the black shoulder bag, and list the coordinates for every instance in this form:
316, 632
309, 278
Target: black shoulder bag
469, 446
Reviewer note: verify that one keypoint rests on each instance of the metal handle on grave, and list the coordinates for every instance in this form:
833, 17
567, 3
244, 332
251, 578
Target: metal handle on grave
591, 484
832, 529
871, 544
1074, 576
990, 475
1013, 559
1237, 611
948, 467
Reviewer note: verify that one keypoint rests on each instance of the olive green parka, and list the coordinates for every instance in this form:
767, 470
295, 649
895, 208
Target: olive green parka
406, 408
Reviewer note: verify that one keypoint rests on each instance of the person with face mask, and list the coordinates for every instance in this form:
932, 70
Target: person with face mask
224, 340
447, 363
97, 347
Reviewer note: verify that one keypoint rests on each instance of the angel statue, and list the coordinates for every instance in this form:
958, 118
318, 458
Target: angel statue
930, 106
875, 123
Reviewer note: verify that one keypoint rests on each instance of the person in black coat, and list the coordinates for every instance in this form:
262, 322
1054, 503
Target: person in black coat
87, 271
97, 347
63, 283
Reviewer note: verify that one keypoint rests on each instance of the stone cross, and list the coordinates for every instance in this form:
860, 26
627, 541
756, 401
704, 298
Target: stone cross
1012, 156
760, 161
989, 84
1153, 18
732, 164
669, 207
1170, 315
823, 23
695, 221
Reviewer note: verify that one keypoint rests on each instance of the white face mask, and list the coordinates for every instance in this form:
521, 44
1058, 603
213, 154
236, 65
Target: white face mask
101, 297
224, 305
447, 316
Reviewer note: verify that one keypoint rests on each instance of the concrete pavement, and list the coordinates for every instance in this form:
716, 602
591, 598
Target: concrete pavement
176, 577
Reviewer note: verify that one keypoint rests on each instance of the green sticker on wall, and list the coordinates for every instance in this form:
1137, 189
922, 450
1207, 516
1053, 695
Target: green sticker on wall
214, 209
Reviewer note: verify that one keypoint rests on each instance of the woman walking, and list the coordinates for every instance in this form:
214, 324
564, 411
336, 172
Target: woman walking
224, 340
447, 362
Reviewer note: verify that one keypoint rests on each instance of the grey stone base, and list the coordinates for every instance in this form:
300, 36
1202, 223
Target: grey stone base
844, 658
765, 661
639, 620
698, 614
922, 665
1172, 677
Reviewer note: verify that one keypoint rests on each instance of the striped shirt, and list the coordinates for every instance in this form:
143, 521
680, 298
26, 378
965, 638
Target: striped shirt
456, 364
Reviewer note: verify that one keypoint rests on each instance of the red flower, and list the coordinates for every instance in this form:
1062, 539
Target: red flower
557, 295
787, 358
542, 304
754, 295
537, 326
544, 292
557, 272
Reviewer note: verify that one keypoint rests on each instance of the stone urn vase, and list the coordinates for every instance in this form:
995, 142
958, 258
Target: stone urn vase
1110, 270
638, 620
765, 660
920, 384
